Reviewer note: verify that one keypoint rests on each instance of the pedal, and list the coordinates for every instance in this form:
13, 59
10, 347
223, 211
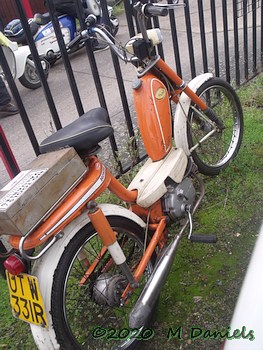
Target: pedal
203, 238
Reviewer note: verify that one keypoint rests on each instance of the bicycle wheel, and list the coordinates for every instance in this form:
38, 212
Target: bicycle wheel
89, 314
214, 153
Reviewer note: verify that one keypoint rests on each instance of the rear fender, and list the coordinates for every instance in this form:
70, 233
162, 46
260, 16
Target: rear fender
44, 268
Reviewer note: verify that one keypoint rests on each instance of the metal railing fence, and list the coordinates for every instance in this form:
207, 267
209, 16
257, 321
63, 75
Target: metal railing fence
222, 36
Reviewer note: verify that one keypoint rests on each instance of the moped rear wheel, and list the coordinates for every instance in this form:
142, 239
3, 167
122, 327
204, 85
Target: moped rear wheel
86, 310
213, 154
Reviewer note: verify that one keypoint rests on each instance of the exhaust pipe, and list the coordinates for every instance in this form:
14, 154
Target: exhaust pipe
144, 305
146, 301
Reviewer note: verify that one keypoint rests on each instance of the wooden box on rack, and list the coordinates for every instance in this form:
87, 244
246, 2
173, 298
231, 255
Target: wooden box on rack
26, 199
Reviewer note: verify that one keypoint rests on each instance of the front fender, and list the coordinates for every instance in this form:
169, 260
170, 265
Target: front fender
181, 113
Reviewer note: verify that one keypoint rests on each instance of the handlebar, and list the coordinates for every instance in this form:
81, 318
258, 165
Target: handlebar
118, 52
73, 42
90, 21
143, 11
150, 10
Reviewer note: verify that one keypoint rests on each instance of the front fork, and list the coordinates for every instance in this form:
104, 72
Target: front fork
109, 240
190, 93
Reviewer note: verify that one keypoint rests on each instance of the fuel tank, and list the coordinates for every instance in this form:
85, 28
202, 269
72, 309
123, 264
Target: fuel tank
152, 107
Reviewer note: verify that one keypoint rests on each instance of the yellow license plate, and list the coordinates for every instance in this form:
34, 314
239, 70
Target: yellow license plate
26, 300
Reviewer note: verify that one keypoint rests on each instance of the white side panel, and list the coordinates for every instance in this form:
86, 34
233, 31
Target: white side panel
49, 41
45, 267
150, 180
180, 117
145, 174
21, 55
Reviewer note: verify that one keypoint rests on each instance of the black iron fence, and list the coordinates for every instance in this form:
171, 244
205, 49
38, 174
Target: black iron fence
247, 6
220, 36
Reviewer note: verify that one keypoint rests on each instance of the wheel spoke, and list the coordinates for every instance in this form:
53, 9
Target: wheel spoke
97, 302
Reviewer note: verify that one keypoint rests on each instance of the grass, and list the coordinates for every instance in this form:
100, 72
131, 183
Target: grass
205, 280
203, 286
118, 9
13, 333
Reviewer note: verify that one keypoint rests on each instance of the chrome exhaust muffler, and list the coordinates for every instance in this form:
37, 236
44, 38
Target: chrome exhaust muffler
144, 305
146, 301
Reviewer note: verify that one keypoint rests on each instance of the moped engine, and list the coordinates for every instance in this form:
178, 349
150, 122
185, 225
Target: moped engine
178, 197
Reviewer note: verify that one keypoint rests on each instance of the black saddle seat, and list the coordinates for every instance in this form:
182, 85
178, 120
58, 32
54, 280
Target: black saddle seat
83, 134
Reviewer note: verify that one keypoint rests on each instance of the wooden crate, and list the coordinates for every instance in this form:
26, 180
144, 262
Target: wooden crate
28, 197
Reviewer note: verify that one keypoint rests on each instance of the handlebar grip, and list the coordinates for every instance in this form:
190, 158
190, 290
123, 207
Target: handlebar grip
151, 10
91, 20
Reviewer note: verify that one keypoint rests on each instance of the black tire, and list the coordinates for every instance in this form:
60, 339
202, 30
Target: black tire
77, 311
30, 78
51, 61
215, 153
51, 58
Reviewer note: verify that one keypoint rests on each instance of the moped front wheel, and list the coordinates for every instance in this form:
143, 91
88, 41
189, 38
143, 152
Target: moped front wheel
86, 307
30, 78
212, 150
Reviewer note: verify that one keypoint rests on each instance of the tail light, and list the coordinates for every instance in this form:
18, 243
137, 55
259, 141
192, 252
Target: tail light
14, 264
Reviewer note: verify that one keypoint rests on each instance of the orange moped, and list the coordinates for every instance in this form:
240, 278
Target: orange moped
88, 275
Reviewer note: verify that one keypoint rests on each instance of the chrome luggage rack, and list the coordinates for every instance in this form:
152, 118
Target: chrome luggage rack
38, 223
